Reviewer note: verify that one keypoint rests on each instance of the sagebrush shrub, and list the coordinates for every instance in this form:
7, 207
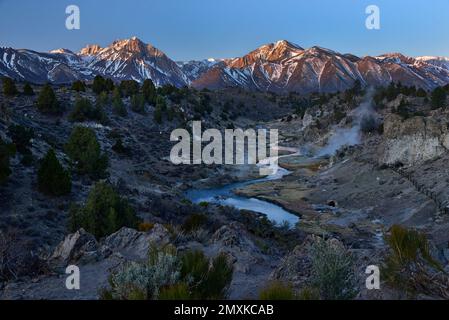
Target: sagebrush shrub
333, 270
167, 275
277, 290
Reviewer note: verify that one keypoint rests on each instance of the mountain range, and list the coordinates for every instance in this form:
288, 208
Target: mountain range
279, 67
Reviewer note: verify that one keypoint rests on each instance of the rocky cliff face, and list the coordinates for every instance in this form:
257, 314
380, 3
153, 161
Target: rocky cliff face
413, 140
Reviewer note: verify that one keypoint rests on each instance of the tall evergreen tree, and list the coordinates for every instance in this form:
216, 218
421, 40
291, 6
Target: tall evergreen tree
47, 101
149, 91
9, 87
85, 152
28, 90
52, 178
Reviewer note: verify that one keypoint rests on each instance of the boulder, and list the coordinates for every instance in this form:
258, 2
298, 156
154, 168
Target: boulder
133, 244
74, 247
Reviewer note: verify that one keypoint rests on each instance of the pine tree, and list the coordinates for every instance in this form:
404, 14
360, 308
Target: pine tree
78, 86
129, 87
9, 87
98, 85
104, 213
438, 98
149, 91
52, 178
28, 90
6, 151
47, 101
117, 104
138, 103
157, 115
85, 152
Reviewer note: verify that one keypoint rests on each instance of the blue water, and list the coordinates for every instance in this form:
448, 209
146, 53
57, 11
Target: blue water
225, 196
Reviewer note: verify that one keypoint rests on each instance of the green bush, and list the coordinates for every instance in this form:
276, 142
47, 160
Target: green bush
85, 153
157, 116
149, 91
438, 98
168, 276
83, 111
21, 137
119, 148
52, 178
308, 293
138, 103
179, 291
9, 87
104, 213
129, 87
28, 90
216, 282
332, 270
102, 100
145, 280
101, 84
78, 86
117, 104
47, 101
277, 290
409, 252
194, 222
6, 151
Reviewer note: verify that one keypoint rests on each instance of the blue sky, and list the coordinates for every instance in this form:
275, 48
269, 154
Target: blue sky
197, 29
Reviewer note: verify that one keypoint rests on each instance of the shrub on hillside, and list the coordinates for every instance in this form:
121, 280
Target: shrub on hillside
118, 106
194, 222
138, 103
21, 137
438, 98
9, 87
6, 151
104, 213
85, 152
47, 101
83, 111
277, 290
332, 270
52, 178
129, 88
28, 90
206, 279
167, 275
149, 91
410, 266
101, 84
78, 86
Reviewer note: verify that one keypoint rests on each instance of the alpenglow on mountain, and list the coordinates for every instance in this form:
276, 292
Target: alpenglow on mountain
279, 67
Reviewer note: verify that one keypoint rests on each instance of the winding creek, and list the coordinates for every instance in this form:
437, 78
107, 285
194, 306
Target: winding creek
225, 195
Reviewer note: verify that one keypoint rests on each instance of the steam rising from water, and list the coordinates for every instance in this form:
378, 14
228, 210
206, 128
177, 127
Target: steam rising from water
350, 136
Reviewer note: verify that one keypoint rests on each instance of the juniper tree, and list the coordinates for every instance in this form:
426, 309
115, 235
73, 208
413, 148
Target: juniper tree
52, 178
9, 87
47, 101
85, 152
